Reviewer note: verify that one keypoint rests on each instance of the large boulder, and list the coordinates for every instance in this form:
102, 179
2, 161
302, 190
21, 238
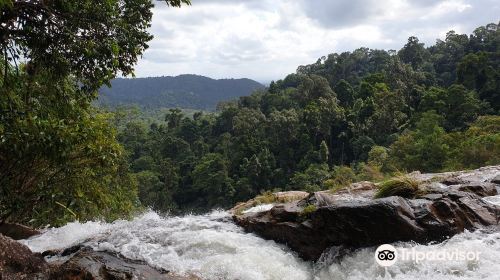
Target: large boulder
17, 231
89, 264
351, 217
18, 262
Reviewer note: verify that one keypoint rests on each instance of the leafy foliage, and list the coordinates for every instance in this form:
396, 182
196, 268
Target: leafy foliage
91, 40
59, 157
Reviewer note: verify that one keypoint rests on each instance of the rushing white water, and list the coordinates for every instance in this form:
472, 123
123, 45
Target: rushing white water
212, 247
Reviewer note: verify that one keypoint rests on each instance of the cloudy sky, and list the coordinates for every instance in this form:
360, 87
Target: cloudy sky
267, 39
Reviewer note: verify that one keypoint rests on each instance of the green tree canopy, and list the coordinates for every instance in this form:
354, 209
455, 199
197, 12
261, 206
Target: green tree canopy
91, 40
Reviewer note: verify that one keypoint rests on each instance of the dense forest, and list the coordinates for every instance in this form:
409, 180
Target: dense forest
357, 115
360, 115
184, 91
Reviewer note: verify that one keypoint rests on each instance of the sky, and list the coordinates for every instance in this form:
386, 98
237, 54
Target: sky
265, 40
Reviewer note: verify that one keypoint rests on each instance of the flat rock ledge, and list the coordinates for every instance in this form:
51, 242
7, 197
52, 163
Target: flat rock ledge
453, 202
17, 262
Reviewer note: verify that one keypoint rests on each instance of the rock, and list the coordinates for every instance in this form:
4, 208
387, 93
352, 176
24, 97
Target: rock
482, 189
352, 218
71, 250
453, 181
17, 231
279, 197
89, 264
496, 179
290, 196
18, 262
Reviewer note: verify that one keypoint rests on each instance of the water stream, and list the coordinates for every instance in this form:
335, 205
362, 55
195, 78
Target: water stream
212, 247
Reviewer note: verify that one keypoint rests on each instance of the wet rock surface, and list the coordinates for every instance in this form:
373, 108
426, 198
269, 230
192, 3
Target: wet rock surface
17, 231
453, 202
89, 264
81, 263
18, 262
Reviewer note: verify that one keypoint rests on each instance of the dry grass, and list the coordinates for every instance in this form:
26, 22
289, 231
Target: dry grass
308, 210
403, 186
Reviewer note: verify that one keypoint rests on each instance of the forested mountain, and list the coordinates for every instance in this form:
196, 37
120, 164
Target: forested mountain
184, 91
358, 115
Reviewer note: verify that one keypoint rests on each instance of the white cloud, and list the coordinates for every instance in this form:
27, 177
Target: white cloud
445, 8
267, 39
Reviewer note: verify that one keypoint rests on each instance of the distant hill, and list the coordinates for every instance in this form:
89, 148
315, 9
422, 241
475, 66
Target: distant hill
184, 91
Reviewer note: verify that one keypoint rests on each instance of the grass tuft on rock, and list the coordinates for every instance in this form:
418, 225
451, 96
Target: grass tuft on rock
265, 198
308, 210
403, 186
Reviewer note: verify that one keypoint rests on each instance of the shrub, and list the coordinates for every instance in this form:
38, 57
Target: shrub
265, 198
308, 210
377, 156
369, 172
400, 186
342, 176
310, 179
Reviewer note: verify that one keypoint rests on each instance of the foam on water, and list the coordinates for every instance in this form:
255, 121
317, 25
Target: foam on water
212, 247
361, 264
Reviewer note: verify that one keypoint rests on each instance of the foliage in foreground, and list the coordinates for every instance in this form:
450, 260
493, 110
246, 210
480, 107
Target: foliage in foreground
59, 158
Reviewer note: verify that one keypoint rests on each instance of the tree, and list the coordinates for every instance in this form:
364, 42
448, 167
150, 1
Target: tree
425, 149
413, 53
211, 181
457, 105
59, 157
477, 72
388, 117
345, 93
479, 145
91, 40
446, 54
311, 179
323, 152
378, 156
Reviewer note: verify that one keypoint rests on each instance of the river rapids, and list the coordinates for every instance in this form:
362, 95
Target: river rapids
212, 247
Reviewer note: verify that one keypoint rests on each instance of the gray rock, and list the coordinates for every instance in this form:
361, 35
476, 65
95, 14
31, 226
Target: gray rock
352, 218
89, 264
17, 262
481, 188
496, 179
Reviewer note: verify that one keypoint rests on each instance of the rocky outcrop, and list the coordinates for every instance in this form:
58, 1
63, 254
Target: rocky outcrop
88, 264
452, 202
17, 231
279, 197
18, 262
